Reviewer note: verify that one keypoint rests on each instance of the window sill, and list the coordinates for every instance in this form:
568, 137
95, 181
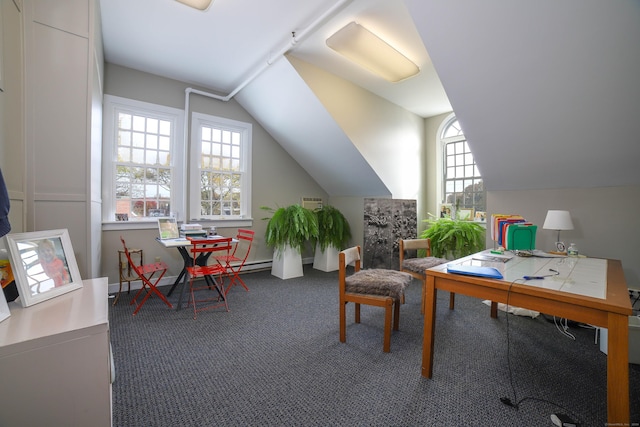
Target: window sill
153, 224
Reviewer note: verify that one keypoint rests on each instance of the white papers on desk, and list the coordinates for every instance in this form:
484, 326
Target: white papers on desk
541, 254
582, 276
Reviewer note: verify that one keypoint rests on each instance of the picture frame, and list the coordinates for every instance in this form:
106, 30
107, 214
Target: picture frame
481, 216
446, 209
465, 214
4, 308
44, 265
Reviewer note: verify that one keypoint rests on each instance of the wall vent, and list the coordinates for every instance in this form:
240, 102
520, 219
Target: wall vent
312, 203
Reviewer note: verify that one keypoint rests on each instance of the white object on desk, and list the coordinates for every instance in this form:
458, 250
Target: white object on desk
190, 227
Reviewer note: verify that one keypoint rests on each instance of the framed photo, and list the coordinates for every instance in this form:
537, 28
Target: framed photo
445, 210
481, 216
4, 307
465, 214
44, 265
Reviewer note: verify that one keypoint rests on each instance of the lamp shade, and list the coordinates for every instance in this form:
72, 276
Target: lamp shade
558, 220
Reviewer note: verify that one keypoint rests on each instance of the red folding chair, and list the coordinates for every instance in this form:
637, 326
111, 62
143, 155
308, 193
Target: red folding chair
146, 273
201, 249
234, 261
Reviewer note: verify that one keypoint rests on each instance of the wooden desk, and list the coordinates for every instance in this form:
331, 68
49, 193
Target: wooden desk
586, 290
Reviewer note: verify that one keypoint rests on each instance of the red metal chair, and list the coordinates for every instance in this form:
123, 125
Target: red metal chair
202, 248
234, 261
146, 273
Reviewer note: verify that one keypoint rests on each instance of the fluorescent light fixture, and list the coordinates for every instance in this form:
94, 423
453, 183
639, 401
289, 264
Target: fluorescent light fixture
197, 4
371, 52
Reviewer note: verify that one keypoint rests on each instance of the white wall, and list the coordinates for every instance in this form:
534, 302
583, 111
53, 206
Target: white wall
432, 201
277, 180
12, 155
388, 137
605, 220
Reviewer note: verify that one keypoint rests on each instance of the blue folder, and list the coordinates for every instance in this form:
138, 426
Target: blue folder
475, 270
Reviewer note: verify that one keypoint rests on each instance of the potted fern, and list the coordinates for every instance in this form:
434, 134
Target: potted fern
454, 238
287, 232
333, 235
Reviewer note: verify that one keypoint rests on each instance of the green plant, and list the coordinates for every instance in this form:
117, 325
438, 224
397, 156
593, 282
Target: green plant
453, 238
292, 226
333, 228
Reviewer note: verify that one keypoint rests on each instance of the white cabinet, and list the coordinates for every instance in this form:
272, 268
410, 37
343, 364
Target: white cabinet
55, 366
62, 122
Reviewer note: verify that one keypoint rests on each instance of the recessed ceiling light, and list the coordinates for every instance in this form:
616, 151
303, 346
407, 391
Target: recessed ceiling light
197, 4
371, 52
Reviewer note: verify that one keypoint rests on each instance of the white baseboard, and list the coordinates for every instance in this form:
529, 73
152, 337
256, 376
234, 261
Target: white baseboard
170, 280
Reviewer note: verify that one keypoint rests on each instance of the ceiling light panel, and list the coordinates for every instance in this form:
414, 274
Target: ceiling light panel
371, 52
197, 4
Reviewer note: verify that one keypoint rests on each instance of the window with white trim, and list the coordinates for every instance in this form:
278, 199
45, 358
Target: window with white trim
143, 173
462, 184
220, 171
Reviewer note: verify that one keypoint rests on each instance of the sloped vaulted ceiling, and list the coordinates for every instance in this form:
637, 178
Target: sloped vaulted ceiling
287, 108
547, 92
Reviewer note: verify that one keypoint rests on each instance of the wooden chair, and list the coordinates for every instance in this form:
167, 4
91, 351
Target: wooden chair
416, 266
377, 287
234, 261
126, 272
147, 275
202, 248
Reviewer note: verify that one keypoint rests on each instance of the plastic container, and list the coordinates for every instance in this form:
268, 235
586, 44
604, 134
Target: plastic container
573, 250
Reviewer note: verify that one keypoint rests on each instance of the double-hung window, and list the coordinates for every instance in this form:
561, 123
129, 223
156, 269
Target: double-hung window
220, 168
143, 160
462, 184
145, 170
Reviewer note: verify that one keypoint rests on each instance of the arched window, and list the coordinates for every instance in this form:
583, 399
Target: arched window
462, 185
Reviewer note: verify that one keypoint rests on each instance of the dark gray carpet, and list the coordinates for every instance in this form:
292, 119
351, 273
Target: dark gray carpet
275, 359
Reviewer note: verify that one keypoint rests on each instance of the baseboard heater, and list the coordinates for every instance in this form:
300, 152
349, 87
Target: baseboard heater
253, 266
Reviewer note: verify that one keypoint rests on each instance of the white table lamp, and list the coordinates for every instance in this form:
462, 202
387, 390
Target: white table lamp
558, 220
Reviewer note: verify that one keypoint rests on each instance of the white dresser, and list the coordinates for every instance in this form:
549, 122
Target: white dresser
55, 361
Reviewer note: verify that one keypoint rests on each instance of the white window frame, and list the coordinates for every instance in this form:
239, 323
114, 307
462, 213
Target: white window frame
112, 106
197, 121
440, 153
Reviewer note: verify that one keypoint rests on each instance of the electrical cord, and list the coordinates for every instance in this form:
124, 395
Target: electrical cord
563, 328
515, 403
505, 399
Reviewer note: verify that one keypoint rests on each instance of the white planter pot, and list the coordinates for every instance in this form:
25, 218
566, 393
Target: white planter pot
287, 264
327, 260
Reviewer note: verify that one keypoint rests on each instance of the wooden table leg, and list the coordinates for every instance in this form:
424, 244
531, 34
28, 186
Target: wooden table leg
429, 327
618, 411
494, 309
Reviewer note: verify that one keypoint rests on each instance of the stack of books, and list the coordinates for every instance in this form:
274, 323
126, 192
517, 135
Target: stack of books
192, 230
